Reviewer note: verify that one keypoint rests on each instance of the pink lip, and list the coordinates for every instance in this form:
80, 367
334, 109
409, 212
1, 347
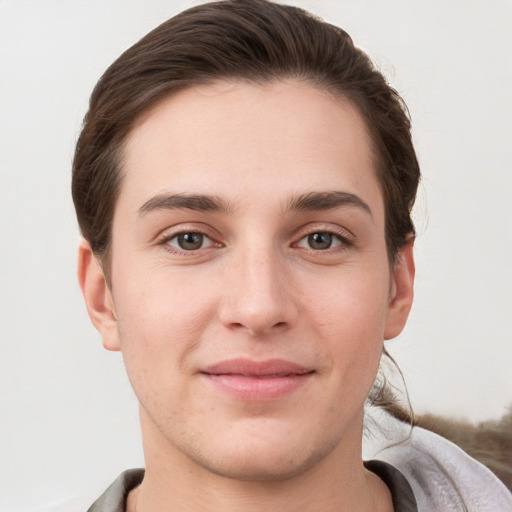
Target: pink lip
257, 380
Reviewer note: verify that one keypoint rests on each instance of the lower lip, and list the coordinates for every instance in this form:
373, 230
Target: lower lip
258, 388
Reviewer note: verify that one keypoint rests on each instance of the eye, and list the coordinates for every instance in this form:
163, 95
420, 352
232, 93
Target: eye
320, 241
191, 241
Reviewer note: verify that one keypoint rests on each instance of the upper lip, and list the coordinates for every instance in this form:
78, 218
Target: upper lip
248, 367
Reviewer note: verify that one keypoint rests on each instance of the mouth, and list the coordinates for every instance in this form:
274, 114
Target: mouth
257, 380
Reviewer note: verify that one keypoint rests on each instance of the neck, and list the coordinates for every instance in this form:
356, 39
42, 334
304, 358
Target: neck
336, 483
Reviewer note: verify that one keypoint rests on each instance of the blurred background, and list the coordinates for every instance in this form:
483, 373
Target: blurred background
68, 420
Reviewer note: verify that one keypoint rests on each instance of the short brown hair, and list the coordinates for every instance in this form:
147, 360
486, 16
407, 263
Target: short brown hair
250, 40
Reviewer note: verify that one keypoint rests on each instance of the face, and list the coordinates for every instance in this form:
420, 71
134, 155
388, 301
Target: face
251, 289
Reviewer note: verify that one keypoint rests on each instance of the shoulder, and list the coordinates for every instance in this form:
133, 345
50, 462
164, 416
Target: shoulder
114, 498
444, 477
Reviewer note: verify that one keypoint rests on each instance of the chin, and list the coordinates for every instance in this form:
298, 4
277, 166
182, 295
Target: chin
264, 460
260, 469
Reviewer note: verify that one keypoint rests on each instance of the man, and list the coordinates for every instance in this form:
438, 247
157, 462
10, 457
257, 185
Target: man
243, 182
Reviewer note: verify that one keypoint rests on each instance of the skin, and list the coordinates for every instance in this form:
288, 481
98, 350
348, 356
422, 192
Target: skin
257, 287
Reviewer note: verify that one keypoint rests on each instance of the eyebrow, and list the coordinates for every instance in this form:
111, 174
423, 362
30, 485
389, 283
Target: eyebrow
311, 201
196, 202
317, 201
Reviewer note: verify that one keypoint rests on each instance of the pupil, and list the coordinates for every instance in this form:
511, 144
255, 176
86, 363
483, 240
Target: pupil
320, 240
190, 241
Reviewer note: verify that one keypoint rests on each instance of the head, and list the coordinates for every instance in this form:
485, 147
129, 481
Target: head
243, 181
252, 41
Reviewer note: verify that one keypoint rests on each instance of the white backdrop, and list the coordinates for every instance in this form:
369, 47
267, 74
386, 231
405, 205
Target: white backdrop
68, 421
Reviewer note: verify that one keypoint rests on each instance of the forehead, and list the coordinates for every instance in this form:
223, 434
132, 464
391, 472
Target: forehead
227, 138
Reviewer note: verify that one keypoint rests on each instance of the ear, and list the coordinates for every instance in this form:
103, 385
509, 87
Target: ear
401, 292
97, 295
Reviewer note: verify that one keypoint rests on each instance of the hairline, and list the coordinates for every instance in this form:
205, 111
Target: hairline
316, 83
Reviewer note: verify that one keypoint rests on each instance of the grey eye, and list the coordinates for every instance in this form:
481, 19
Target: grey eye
188, 241
320, 241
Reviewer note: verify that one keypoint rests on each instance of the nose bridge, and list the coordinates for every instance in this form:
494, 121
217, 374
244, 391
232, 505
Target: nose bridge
258, 296
260, 271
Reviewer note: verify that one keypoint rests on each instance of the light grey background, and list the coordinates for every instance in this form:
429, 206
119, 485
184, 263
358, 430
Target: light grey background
68, 421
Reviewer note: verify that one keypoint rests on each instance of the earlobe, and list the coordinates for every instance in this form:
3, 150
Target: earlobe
97, 295
402, 292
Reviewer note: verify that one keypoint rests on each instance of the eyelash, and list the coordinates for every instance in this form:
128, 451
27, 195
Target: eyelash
344, 242
166, 239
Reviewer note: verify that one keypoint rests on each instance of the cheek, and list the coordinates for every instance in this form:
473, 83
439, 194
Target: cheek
157, 333
349, 314
353, 302
160, 321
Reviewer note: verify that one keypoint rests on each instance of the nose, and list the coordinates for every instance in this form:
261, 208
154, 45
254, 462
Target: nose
258, 294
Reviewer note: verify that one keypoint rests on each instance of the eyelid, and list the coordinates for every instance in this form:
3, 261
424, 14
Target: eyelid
172, 232
337, 244
204, 241
186, 227
346, 236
